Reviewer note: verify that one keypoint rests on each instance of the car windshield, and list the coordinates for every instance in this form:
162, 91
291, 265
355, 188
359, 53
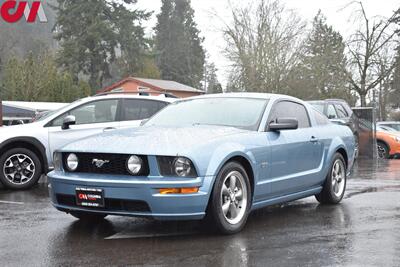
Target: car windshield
237, 112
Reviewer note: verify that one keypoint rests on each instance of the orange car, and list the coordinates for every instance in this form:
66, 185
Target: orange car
388, 141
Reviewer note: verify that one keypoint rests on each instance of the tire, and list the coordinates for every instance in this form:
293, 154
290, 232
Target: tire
20, 169
230, 200
88, 216
383, 150
335, 183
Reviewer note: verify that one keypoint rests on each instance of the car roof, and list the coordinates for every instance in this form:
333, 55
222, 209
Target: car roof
247, 95
162, 98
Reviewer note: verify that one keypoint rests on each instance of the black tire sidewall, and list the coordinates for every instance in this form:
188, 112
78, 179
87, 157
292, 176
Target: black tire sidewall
30, 154
215, 201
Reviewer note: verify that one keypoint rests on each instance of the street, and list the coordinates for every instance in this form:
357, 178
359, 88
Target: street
364, 230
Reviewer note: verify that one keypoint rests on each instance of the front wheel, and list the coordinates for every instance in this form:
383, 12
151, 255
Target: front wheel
383, 150
230, 201
20, 169
335, 183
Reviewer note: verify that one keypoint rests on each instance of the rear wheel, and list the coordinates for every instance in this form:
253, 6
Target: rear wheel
335, 183
383, 150
230, 201
20, 169
88, 216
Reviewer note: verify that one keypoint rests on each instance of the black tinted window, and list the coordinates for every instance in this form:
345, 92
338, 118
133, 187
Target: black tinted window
288, 109
341, 111
137, 109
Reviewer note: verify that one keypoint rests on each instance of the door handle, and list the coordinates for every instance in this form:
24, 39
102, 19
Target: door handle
313, 139
109, 129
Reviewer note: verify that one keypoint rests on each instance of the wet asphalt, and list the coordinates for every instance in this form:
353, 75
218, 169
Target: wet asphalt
364, 230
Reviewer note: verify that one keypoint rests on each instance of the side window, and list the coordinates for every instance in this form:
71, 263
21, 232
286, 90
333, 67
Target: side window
331, 112
93, 112
137, 109
342, 113
288, 109
320, 118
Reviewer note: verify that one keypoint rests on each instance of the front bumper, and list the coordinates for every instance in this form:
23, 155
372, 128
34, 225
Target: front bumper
133, 196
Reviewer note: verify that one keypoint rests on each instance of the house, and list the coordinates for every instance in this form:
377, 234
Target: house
153, 87
17, 112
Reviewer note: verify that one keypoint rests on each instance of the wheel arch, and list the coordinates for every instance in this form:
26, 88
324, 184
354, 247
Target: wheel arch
28, 143
243, 159
343, 152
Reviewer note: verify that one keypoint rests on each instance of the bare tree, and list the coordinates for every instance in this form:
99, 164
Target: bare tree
366, 49
263, 43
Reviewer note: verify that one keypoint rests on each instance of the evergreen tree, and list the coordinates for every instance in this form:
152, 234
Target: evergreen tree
90, 32
321, 70
211, 80
180, 55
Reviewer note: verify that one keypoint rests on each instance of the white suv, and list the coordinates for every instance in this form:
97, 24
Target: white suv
26, 151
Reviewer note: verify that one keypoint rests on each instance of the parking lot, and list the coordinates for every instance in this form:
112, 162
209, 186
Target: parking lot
363, 230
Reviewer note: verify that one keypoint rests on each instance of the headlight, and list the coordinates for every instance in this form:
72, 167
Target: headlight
182, 166
396, 138
57, 161
176, 166
72, 162
134, 164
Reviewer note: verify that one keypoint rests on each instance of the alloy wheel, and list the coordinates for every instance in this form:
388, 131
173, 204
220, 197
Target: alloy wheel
19, 169
338, 178
381, 152
234, 197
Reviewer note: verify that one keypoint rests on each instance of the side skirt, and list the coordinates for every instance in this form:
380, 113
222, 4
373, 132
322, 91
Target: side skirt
287, 198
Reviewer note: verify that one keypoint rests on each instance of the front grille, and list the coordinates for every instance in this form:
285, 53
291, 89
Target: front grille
111, 204
116, 163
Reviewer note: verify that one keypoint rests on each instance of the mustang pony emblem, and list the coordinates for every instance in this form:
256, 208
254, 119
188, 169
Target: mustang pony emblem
99, 162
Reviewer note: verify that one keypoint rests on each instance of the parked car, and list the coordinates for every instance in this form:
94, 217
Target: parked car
388, 142
26, 151
339, 111
217, 155
392, 124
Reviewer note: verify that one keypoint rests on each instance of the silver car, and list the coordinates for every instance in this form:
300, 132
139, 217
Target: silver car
26, 151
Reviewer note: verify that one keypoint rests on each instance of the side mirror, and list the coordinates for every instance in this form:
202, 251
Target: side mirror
143, 122
68, 121
284, 124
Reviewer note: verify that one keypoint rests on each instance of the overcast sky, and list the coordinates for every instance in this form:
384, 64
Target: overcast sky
337, 15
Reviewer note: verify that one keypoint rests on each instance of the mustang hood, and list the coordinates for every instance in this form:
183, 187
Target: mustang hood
152, 140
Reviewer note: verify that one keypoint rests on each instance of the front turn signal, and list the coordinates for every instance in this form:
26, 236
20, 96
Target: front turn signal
186, 190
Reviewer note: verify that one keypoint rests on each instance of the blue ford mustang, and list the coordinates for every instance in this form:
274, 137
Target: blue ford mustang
216, 155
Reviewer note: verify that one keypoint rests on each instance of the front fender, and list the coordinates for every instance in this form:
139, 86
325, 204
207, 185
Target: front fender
226, 152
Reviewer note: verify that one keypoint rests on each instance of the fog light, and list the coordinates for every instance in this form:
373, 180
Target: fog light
72, 162
186, 190
134, 164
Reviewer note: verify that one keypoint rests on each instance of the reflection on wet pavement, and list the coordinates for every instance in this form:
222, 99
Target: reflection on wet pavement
363, 230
